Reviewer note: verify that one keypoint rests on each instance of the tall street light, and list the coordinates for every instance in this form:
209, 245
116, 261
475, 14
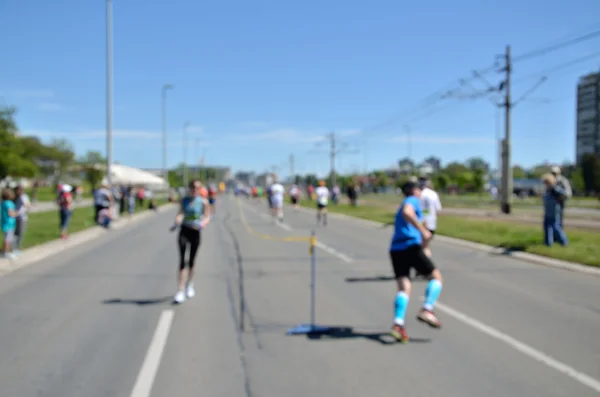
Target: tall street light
109, 92
165, 88
185, 145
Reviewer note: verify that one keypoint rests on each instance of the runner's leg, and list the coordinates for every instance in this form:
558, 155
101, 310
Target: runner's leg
425, 266
182, 242
195, 240
401, 264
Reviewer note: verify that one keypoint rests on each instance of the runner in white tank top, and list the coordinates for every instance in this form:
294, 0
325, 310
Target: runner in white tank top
277, 193
322, 194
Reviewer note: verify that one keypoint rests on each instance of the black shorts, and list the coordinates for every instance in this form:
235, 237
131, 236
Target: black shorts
294, 200
412, 257
321, 206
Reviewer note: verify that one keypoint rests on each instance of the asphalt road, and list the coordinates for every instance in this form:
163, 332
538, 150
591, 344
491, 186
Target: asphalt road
98, 320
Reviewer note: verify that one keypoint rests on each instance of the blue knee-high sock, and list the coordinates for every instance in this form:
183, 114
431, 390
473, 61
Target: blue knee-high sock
432, 293
400, 307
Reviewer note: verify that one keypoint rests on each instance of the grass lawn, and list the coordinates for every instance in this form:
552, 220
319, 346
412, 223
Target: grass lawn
47, 193
485, 202
584, 246
44, 226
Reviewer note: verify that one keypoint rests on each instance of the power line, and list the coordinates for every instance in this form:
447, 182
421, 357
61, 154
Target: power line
562, 66
552, 48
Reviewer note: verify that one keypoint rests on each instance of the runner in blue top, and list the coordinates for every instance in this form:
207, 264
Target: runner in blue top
193, 216
406, 252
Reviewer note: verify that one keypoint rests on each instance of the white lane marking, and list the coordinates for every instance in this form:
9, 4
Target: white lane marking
323, 246
537, 355
522, 347
145, 379
334, 252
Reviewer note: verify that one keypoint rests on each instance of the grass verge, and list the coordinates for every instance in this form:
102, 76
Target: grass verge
584, 246
44, 226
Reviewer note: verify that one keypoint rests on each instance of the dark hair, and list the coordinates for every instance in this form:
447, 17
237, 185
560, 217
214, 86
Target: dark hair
408, 189
193, 182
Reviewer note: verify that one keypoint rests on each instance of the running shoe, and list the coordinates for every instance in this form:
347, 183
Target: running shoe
429, 317
399, 333
189, 290
179, 297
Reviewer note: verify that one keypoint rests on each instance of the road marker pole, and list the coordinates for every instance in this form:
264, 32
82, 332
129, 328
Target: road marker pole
312, 328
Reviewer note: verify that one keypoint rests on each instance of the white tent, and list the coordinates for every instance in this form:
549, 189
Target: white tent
124, 175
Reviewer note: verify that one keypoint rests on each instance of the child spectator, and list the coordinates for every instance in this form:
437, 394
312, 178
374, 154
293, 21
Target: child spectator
8, 222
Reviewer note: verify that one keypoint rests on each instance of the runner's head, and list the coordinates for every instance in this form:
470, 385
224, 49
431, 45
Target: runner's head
411, 188
195, 188
321, 183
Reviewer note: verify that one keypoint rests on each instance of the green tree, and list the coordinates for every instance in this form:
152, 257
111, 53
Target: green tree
519, 172
13, 156
477, 163
453, 170
537, 171
463, 180
590, 170
93, 165
478, 180
311, 179
383, 180
577, 182
441, 181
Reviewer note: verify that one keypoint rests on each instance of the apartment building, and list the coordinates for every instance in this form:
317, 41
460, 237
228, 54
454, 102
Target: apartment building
588, 116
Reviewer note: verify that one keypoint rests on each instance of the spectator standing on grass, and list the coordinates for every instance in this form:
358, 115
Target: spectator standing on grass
553, 196
8, 222
22, 205
131, 200
565, 185
65, 205
102, 200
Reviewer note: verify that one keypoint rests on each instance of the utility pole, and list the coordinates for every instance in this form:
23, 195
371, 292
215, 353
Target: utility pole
332, 158
185, 145
292, 175
109, 92
507, 178
164, 90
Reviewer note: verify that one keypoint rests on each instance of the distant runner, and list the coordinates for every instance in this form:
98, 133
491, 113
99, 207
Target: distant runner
406, 252
277, 193
212, 198
322, 194
431, 205
294, 195
193, 216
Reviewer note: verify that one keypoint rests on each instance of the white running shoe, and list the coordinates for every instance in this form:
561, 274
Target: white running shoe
179, 297
189, 291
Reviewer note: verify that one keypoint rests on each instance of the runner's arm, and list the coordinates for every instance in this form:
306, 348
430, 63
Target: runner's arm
206, 213
179, 216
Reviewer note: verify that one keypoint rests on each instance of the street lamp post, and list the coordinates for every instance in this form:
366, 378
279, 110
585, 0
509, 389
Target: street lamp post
185, 144
109, 92
165, 88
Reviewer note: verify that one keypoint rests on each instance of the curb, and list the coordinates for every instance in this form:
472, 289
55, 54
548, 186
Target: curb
51, 248
524, 256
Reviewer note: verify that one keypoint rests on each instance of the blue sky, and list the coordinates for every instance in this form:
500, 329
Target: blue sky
264, 79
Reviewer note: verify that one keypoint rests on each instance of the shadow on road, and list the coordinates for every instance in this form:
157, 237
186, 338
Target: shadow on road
139, 302
383, 338
369, 279
508, 248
